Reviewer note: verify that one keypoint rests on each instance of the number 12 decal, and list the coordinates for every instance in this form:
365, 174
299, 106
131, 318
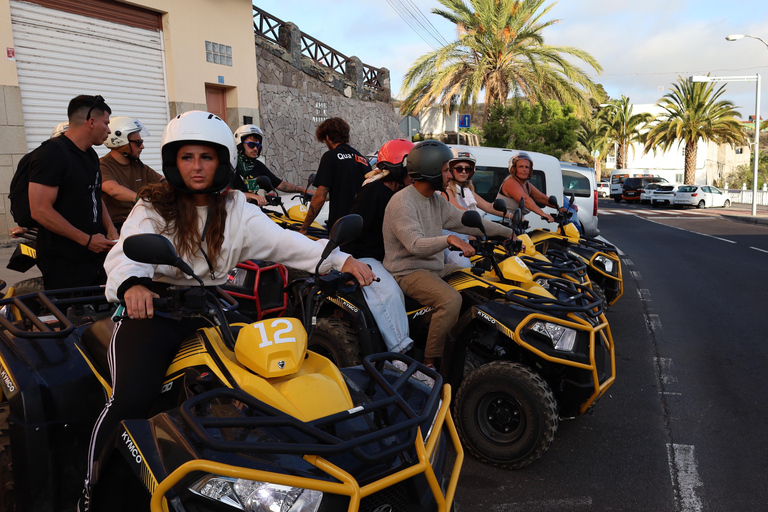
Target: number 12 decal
277, 332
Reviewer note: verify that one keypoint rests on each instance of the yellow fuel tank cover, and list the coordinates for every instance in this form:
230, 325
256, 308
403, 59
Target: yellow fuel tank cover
272, 348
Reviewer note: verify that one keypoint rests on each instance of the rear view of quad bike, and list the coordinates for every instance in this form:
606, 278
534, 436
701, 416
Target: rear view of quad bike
293, 217
248, 419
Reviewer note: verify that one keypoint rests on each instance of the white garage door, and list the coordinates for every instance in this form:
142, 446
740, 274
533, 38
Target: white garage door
61, 55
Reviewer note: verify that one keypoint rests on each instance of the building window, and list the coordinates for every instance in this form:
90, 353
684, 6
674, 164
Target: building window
217, 53
321, 112
739, 150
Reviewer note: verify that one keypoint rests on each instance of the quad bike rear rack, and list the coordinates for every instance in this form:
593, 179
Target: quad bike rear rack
318, 443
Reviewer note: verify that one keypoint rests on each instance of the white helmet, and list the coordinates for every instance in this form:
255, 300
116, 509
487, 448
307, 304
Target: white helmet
121, 127
247, 129
60, 128
198, 127
463, 155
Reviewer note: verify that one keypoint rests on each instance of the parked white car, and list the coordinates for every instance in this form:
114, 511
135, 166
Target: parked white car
645, 194
580, 181
603, 188
664, 194
701, 197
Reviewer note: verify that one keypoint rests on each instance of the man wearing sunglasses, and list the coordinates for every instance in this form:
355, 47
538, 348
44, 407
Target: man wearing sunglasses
76, 230
122, 172
249, 139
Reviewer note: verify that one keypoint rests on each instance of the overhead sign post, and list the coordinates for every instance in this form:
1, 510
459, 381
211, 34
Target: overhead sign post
410, 126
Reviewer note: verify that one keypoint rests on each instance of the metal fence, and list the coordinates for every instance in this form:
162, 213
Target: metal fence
267, 26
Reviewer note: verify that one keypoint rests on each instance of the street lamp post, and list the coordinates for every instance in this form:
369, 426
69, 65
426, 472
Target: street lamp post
755, 78
736, 37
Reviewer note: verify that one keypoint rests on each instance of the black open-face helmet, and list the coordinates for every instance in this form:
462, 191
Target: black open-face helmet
198, 127
425, 162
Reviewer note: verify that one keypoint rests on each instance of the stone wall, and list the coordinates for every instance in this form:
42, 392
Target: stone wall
293, 98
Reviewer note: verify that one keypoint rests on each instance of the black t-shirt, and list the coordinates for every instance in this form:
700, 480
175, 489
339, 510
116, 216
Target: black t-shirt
250, 169
76, 173
342, 170
370, 204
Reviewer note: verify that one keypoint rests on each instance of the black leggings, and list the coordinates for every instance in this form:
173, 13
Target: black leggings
139, 355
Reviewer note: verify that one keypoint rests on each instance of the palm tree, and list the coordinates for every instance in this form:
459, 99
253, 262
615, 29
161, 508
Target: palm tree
500, 49
623, 127
592, 135
693, 111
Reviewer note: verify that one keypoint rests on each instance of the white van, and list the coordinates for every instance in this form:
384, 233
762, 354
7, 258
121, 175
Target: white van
619, 175
492, 168
581, 182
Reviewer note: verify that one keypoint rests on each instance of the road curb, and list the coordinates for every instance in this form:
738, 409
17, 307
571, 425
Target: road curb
746, 219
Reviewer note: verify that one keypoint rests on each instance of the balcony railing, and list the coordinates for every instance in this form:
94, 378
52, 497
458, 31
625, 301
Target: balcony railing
268, 27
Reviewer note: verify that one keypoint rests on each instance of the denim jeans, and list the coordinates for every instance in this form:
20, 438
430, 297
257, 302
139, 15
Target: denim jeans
387, 305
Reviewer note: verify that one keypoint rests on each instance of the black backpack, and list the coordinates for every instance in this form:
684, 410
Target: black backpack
19, 193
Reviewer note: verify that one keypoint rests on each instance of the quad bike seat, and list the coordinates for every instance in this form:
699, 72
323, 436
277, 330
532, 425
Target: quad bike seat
95, 340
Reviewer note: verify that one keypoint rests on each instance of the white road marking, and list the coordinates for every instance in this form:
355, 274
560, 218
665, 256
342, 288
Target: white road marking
685, 477
628, 262
665, 368
689, 231
654, 323
644, 294
636, 275
757, 249
544, 505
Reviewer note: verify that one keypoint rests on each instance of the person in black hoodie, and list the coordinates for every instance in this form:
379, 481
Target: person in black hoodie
384, 298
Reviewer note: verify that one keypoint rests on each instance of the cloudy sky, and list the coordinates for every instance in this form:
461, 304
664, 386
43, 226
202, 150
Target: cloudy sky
643, 46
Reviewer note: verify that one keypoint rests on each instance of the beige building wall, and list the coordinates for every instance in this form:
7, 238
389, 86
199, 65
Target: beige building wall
187, 25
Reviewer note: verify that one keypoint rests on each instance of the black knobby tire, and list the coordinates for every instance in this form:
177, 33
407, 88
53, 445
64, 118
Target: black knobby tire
31, 285
601, 294
506, 414
336, 340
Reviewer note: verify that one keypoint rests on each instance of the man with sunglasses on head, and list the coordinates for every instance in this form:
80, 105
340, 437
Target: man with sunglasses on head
249, 139
122, 173
76, 230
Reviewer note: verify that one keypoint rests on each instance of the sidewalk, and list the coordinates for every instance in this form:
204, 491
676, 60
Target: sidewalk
740, 212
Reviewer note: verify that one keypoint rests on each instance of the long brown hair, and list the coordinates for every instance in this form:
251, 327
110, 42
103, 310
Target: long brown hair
180, 214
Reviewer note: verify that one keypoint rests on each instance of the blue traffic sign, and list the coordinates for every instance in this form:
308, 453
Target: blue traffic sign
464, 121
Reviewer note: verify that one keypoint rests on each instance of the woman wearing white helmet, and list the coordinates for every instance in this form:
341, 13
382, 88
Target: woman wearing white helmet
460, 189
212, 228
249, 139
516, 187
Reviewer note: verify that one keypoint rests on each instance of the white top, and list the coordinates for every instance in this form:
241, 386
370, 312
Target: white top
248, 234
466, 198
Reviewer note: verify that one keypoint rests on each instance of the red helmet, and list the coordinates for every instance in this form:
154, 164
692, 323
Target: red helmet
393, 152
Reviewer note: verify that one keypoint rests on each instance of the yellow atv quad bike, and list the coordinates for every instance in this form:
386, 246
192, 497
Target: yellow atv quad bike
539, 354
522, 355
556, 263
248, 418
293, 217
602, 259
24, 257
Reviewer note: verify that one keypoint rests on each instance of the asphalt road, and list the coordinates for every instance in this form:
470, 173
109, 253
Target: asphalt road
682, 429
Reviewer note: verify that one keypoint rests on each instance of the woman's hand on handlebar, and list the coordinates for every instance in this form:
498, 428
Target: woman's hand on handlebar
256, 198
547, 217
138, 302
361, 271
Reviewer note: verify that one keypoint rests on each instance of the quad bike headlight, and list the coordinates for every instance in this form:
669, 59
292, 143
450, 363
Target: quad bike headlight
253, 496
562, 338
607, 263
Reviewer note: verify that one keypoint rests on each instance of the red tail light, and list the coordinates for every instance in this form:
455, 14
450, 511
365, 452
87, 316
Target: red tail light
694, 195
594, 208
